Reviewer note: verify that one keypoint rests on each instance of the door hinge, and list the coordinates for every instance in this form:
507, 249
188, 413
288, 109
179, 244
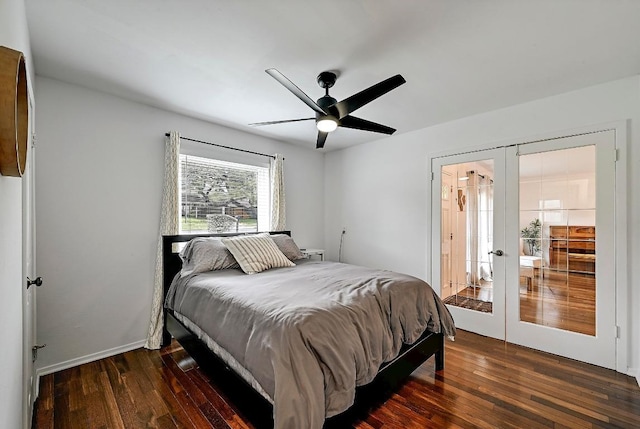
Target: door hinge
615, 155
34, 351
432, 176
617, 331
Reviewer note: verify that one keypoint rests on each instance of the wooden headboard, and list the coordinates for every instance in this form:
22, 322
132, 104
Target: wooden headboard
172, 264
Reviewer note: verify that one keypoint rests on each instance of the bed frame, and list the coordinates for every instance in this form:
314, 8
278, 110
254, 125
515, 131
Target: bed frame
390, 375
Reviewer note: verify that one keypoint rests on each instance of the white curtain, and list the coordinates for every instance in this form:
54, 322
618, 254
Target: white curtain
169, 221
479, 226
472, 228
485, 227
278, 205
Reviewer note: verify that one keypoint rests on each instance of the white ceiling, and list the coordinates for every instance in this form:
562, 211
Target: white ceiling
206, 58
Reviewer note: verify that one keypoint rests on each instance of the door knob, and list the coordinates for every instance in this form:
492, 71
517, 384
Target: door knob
37, 282
497, 252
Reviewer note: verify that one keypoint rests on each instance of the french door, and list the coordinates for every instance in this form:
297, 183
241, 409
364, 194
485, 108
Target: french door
524, 246
470, 225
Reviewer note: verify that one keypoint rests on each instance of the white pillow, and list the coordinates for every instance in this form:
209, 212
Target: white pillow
256, 253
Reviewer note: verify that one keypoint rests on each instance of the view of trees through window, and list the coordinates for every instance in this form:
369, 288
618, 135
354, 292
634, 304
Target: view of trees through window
218, 196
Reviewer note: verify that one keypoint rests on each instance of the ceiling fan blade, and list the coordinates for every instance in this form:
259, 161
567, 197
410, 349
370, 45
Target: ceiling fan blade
363, 124
257, 124
356, 101
295, 90
322, 137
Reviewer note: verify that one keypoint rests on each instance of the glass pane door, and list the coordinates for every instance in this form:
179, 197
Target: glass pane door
561, 288
558, 237
470, 275
467, 222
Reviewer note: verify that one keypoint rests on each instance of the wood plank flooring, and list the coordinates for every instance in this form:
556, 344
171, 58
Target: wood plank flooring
563, 300
559, 299
486, 383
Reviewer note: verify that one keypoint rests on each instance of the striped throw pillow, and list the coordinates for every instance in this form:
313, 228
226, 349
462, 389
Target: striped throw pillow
256, 253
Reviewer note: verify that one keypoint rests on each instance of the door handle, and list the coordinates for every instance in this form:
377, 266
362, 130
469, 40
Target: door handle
497, 252
37, 282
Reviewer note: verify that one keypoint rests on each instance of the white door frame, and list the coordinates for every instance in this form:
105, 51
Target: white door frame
622, 302
448, 252
30, 381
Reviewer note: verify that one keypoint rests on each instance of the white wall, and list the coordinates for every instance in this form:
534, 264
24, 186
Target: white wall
98, 190
13, 34
379, 191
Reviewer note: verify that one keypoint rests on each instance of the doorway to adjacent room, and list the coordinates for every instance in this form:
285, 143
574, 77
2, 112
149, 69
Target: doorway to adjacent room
524, 242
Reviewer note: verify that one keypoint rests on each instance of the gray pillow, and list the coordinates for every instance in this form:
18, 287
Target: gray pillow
287, 246
203, 254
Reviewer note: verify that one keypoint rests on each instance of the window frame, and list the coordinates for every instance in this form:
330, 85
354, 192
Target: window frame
221, 155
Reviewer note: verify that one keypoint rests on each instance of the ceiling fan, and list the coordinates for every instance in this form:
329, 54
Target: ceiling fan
331, 114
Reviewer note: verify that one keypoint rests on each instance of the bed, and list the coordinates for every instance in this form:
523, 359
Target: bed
304, 336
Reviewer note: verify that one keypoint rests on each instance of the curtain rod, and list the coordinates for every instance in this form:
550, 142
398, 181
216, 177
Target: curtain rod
226, 147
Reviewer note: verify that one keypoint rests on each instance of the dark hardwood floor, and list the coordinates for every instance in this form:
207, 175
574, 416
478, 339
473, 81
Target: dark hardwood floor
486, 383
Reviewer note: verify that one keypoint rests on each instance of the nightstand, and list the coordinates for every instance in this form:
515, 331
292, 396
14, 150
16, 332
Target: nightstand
308, 253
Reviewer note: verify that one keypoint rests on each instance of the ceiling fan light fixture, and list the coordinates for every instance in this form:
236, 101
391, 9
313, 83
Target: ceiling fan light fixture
327, 124
331, 113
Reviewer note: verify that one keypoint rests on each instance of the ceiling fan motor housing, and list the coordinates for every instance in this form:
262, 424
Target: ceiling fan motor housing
325, 102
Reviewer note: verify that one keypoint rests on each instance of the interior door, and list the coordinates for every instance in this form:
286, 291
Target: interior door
551, 263
29, 387
476, 225
446, 263
561, 290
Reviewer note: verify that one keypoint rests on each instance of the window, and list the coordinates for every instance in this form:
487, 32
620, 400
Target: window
220, 196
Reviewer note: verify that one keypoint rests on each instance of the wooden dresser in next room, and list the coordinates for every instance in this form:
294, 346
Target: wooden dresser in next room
572, 248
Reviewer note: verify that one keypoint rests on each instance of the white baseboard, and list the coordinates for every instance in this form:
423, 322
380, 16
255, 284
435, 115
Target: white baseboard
634, 372
83, 359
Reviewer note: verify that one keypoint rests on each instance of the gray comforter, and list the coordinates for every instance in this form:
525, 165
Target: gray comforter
309, 334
